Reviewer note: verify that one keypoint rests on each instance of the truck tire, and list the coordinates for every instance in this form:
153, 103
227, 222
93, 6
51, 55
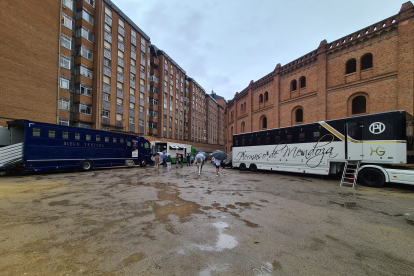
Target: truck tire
86, 166
242, 166
143, 162
253, 167
371, 177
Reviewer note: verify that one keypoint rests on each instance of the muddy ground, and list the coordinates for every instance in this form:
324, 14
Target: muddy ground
143, 221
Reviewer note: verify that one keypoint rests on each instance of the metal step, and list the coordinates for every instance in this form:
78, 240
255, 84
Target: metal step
348, 171
129, 163
11, 155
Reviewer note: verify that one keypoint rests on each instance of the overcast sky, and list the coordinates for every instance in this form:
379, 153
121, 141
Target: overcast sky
227, 43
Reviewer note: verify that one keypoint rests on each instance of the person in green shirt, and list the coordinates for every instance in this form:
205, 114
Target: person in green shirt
168, 160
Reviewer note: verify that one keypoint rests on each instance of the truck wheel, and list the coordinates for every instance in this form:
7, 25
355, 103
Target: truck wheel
242, 166
143, 162
86, 166
253, 167
371, 178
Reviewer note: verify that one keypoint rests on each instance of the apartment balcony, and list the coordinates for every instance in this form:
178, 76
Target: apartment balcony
154, 80
107, 71
119, 93
153, 89
154, 62
106, 121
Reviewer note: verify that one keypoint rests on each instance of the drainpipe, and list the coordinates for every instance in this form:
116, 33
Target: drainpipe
58, 68
99, 72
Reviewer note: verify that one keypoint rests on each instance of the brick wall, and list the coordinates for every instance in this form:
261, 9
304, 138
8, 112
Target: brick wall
29, 60
329, 91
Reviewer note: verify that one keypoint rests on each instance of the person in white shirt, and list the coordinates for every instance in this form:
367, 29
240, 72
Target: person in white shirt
217, 166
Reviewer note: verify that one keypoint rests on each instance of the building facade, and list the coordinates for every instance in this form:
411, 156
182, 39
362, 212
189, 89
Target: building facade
368, 71
105, 74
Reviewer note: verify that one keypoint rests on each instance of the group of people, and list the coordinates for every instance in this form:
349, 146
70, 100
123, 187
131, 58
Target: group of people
179, 160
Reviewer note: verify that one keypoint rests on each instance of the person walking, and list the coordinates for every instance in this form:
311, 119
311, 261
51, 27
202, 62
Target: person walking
163, 161
176, 161
157, 160
182, 160
217, 162
188, 160
199, 162
153, 160
168, 159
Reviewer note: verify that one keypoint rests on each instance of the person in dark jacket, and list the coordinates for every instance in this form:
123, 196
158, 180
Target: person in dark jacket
188, 160
168, 159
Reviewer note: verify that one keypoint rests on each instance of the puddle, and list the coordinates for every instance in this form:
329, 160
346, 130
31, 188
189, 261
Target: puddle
224, 241
346, 205
62, 202
134, 258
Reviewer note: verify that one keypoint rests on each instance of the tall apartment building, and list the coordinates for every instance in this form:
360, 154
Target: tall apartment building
368, 71
99, 71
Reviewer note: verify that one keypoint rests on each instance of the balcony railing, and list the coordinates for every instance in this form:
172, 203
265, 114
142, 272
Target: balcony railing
154, 78
119, 93
107, 71
120, 77
107, 88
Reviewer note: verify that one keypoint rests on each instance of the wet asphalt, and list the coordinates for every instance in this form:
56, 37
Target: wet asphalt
143, 221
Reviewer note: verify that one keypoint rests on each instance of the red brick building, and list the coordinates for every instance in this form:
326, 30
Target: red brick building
85, 63
368, 71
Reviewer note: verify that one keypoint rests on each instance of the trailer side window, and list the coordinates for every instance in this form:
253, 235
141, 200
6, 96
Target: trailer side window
289, 138
36, 132
121, 140
98, 138
114, 140
316, 135
128, 143
107, 139
65, 134
88, 137
77, 135
277, 139
51, 133
302, 136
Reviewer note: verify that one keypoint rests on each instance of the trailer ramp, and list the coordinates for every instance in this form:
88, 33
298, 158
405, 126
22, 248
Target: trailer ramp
11, 155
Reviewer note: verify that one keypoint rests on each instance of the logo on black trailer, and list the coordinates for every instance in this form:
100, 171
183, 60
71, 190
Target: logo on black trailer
377, 128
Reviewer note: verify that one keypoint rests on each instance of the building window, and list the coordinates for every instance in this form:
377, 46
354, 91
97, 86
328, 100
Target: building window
119, 117
88, 137
359, 105
264, 122
105, 114
108, 12
91, 2
299, 115
107, 62
83, 89
64, 104
85, 15
36, 132
77, 136
64, 122
142, 41
66, 42
64, 83
68, 4
293, 85
85, 33
121, 23
243, 127
351, 66
302, 82
82, 70
131, 120
260, 98
366, 61
105, 97
133, 33
65, 62
266, 96
84, 109
84, 52
67, 21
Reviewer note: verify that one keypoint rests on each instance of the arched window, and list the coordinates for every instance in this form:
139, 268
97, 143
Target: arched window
243, 127
264, 122
366, 61
299, 115
359, 105
241, 107
266, 96
302, 82
260, 98
293, 85
351, 66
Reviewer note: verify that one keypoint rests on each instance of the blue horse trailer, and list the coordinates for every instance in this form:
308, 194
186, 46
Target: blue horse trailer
33, 146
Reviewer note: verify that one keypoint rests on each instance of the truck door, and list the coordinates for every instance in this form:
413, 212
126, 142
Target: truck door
354, 145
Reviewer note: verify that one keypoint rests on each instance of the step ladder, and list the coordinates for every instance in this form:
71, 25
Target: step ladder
129, 163
350, 174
